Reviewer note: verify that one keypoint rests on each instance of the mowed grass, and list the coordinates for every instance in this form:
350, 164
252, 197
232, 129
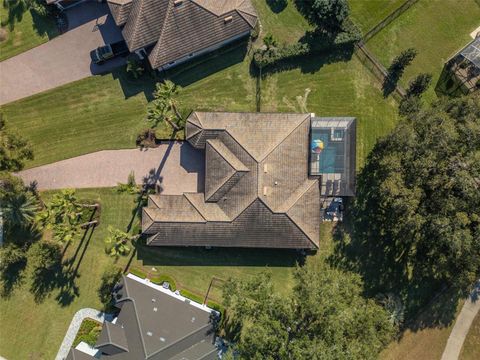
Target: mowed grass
35, 330
24, 33
338, 89
471, 346
108, 112
437, 29
368, 13
287, 25
426, 337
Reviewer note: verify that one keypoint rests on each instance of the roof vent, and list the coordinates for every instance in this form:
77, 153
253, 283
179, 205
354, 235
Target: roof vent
193, 319
177, 2
162, 339
155, 309
228, 19
265, 168
149, 333
153, 300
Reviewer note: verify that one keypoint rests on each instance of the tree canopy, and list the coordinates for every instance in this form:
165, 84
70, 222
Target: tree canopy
325, 316
418, 197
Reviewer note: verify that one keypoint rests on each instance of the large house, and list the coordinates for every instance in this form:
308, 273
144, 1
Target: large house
170, 32
266, 176
154, 324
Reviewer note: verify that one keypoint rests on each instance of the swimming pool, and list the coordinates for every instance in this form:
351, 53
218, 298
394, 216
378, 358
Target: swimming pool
330, 159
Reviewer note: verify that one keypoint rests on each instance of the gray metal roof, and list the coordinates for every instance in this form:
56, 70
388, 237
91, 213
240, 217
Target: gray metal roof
257, 189
75, 354
158, 326
176, 29
472, 52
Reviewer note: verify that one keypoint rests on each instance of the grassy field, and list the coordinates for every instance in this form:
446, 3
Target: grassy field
436, 29
23, 32
338, 89
427, 336
368, 13
37, 329
471, 346
287, 25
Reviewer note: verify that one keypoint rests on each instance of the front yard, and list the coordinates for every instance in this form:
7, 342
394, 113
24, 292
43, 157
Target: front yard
23, 30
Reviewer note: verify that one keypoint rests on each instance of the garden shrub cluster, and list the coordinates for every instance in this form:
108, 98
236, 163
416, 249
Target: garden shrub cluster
88, 332
160, 279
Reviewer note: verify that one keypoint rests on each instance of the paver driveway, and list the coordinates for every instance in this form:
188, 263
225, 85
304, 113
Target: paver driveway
177, 166
64, 59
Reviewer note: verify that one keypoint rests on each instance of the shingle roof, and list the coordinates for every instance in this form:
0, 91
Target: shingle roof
257, 178
176, 30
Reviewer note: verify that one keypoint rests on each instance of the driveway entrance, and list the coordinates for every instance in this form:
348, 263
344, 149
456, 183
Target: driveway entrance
65, 58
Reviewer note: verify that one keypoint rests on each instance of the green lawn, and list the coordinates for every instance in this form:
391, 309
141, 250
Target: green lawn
338, 89
437, 29
37, 329
368, 13
471, 346
425, 338
288, 25
24, 32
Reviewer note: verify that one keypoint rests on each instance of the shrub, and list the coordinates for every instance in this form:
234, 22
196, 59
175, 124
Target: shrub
191, 296
138, 272
88, 332
160, 279
147, 139
263, 58
134, 68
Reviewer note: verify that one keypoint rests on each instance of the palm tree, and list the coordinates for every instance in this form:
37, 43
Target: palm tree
165, 104
158, 112
63, 215
20, 209
117, 242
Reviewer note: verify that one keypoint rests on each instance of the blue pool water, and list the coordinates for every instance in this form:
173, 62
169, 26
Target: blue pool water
328, 159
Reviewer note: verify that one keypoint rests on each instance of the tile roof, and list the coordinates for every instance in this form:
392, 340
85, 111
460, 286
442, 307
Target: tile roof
272, 203
177, 29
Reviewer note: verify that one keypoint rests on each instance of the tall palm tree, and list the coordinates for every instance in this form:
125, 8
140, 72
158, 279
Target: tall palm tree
20, 209
167, 91
158, 112
117, 242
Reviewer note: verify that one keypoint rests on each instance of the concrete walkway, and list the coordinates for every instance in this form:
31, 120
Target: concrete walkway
175, 166
462, 325
79, 316
63, 59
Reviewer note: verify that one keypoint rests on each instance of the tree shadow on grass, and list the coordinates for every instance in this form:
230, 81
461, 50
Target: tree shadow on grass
12, 277
277, 6
197, 256
320, 54
362, 246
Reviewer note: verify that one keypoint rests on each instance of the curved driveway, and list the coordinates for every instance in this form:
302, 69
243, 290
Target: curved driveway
176, 166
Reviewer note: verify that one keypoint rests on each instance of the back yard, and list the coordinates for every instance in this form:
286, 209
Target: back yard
436, 29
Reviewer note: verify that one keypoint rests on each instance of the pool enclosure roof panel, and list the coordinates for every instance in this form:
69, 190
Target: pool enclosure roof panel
472, 52
332, 154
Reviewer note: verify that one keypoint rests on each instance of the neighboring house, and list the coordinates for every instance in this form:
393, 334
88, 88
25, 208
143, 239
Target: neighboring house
265, 177
465, 66
170, 32
154, 324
